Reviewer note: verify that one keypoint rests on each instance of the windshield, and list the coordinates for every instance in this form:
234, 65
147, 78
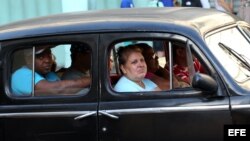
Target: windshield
232, 50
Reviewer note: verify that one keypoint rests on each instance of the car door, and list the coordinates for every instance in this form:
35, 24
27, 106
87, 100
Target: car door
57, 117
175, 114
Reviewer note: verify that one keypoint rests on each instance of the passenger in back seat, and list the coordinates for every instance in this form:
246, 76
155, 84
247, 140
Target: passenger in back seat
113, 78
81, 63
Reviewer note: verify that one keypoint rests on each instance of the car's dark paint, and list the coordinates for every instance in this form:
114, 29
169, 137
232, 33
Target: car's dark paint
205, 83
189, 114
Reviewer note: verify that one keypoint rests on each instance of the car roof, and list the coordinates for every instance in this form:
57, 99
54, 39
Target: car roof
116, 20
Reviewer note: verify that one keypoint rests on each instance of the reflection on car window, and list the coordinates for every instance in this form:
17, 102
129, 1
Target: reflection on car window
236, 42
148, 69
49, 70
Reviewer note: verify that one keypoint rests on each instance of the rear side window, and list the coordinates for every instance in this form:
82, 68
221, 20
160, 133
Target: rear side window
51, 69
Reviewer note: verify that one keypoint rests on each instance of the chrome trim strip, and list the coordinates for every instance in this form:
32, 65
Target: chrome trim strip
85, 115
245, 106
116, 111
166, 109
108, 115
170, 64
43, 114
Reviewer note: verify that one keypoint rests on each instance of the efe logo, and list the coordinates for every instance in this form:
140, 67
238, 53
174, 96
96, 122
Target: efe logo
237, 132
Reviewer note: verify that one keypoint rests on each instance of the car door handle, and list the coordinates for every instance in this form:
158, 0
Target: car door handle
85, 115
108, 115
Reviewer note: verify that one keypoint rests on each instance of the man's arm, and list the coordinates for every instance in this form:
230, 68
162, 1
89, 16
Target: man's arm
44, 87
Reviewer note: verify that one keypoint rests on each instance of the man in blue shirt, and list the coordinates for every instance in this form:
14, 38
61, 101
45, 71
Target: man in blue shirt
43, 79
127, 4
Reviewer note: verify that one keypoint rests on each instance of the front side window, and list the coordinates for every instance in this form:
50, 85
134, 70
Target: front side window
151, 65
51, 69
232, 50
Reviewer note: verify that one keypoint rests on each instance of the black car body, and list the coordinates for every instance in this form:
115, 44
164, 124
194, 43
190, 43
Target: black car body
199, 112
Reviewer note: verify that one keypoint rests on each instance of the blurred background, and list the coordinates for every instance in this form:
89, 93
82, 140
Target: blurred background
14, 10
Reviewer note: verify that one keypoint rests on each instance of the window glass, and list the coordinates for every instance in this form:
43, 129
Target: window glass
143, 65
232, 50
42, 70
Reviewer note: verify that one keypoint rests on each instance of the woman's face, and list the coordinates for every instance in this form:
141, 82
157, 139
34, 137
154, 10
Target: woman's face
135, 67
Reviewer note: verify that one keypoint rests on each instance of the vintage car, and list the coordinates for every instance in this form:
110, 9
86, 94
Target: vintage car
195, 109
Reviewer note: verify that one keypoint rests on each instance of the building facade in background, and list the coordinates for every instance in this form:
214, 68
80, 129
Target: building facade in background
15, 10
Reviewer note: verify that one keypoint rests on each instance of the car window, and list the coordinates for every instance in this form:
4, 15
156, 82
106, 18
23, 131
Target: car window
146, 65
51, 69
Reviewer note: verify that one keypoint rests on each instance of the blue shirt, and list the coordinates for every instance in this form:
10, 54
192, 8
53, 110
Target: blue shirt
167, 3
21, 81
126, 85
127, 4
